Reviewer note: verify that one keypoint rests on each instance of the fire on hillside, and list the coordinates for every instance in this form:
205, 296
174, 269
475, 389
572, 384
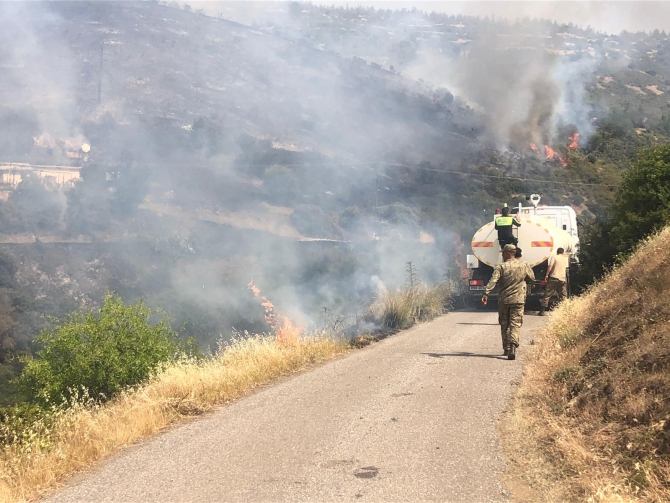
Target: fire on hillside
553, 155
286, 332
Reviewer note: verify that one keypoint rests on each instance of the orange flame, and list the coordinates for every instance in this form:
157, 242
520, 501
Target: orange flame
286, 333
533, 147
574, 141
552, 154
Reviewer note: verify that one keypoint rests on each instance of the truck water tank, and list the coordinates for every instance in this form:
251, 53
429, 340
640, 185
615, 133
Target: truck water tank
538, 238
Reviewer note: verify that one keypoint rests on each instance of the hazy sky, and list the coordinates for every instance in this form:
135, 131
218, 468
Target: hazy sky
607, 16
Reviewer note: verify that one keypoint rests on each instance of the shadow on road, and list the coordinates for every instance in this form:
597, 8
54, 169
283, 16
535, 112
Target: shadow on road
464, 353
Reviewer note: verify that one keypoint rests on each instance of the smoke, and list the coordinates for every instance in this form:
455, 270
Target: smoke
528, 86
38, 71
527, 76
280, 152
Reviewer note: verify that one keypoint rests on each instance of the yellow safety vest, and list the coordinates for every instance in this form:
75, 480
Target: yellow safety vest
503, 221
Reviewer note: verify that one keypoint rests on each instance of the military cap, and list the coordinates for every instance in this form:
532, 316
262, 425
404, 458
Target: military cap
509, 248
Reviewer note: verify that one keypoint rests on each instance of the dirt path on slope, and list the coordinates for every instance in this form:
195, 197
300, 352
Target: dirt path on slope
411, 418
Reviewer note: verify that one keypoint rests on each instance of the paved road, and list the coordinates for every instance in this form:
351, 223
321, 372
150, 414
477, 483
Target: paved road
410, 418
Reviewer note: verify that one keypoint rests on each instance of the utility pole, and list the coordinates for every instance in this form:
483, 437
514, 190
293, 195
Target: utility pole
377, 222
376, 194
412, 276
102, 53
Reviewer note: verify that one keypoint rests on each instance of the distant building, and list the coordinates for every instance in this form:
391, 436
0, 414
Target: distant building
13, 173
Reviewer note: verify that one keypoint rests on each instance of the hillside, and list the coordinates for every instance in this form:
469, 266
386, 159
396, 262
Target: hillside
235, 80
311, 103
624, 71
315, 151
594, 403
211, 118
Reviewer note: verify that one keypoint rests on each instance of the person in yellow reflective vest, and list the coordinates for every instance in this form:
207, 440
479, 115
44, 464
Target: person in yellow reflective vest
504, 224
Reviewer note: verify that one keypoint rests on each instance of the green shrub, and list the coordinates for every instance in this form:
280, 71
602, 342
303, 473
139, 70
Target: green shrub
99, 354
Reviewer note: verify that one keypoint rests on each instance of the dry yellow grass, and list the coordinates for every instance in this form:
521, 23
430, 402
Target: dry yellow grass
400, 309
83, 434
591, 419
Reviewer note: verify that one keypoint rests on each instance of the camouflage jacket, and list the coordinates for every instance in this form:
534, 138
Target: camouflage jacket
511, 276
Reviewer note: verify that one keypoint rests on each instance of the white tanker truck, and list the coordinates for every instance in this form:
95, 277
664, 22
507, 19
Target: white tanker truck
543, 230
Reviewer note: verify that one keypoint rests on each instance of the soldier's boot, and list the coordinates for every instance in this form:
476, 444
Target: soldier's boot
542, 311
511, 355
506, 352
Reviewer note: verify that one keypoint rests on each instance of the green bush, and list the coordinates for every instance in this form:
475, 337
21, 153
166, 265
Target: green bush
99, 354
643, 202
597, 251
641, 207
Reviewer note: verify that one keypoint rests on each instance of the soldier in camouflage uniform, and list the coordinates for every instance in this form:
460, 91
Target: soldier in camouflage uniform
512, 276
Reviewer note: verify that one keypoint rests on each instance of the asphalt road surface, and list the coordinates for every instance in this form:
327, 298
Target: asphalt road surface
410, 418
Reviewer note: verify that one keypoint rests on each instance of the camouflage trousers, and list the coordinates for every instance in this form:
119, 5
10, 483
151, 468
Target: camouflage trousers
510, 317
554, 286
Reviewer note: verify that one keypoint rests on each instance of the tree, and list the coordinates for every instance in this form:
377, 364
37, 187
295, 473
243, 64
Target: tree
101, 354
597, 251
642, 204
641, 207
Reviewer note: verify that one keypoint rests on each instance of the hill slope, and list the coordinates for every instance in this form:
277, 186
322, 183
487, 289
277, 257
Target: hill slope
597, 393
216, 146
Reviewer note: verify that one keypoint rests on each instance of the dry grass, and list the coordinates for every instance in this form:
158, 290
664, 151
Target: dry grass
83, 434
591, 419
401, 309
